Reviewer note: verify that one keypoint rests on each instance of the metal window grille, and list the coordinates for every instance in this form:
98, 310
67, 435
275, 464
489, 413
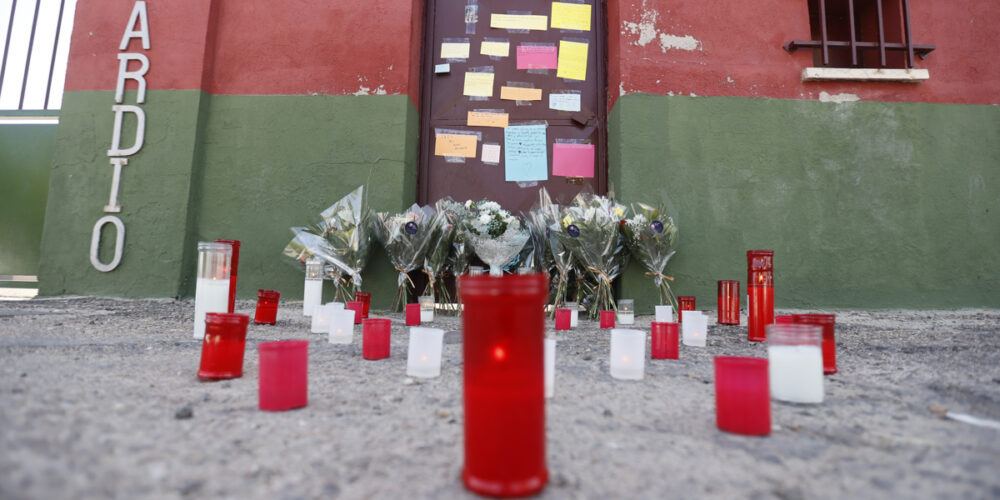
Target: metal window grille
856, 46
36, 36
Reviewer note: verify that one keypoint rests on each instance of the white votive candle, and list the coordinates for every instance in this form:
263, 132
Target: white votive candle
424, 356
426, 308
312, 294
322, 315
550, 367
342, 325
574, 313
795, 362
695, 328
210, 295
664, 314
628, 354
626, 312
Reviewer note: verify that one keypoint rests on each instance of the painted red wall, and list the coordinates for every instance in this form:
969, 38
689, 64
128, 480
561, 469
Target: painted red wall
257, 46
729, 48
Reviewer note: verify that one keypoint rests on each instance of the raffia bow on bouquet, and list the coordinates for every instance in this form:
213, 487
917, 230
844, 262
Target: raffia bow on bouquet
341, 239
651, 236
407, 238
496, 235
550, 251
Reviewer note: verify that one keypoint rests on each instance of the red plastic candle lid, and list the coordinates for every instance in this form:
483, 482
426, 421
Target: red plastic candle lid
227, 319
268, 294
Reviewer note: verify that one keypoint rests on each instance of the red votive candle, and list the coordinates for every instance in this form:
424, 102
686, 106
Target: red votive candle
783, 320
366, 301
607, 319
375, 338
234, 265
267, 307
503, 330
684, 303
665, 341
729, 302
283, 374
412, 314
358, 309
223, 346
760, 293
563, 318
742, 395
828, 344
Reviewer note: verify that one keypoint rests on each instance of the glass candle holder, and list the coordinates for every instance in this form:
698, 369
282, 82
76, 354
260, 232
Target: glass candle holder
626, 312
375, 338
267, 307
312, 294
695, 329
476, 270
729, 302
564, 319
684, 303
283, 375
665, 340
342, 326
760, 293
426, 308
795, 363
550, 368
503, 328
366, 302
829, 343
628, 354
412, 314
664, 314
358, 309
423, 357
211, 293
574, 313
784, 320
223, 346
323, 316
607, 319
235, 267
742, 400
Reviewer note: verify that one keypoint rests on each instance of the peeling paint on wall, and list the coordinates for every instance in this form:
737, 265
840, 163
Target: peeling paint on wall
686, 42
825, 97
647, 31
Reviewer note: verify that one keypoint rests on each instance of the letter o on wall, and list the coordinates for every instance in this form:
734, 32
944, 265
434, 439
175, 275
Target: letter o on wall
95, 243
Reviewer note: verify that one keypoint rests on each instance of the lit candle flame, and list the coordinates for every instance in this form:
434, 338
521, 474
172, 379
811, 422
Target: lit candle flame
499, 353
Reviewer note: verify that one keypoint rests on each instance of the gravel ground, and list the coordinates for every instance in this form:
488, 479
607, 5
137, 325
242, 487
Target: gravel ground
91, 391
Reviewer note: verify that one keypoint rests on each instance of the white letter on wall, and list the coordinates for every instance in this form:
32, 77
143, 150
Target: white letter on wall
138, 76
140, 130
138, 14
113, 206
95, 243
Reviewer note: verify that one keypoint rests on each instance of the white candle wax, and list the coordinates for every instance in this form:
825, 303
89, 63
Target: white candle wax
550, 367
322, 315
628, 354
341, 326
209, 296
695, 329
626, 318
423, 358
574, 313
664, 314
796, 373
312, 295
426, 309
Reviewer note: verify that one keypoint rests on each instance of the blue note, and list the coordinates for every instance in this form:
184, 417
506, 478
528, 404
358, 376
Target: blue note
525, 153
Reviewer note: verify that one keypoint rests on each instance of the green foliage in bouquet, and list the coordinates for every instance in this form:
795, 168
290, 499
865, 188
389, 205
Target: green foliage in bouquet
651, 236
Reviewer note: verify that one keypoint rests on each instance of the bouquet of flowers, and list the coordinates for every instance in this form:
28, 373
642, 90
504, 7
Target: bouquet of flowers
496, 235
341, 239
545, 228
406, 237
436, 259
590, 231
651, 235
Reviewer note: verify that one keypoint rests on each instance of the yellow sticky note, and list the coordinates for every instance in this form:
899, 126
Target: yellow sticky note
452, 50
455, 145
520, 94
478, 84
571, 16
487, 119
519, 22
499, 49
572, 60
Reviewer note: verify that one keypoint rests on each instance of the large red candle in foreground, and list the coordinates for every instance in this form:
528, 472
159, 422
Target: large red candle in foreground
235, 267
829, 343
223, 346
283, 374
742, 395
375, 338
665, 340
760, 293
503, 330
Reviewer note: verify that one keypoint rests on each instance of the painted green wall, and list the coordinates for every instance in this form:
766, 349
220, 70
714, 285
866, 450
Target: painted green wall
866, 204
237, 167
25, 162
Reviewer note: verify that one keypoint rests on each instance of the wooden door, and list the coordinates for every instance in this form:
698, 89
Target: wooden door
445, 106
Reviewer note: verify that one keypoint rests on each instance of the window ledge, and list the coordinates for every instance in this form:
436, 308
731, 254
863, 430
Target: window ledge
865, 74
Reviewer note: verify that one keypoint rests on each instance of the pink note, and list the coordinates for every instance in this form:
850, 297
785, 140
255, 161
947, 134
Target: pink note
573, 160
537, 57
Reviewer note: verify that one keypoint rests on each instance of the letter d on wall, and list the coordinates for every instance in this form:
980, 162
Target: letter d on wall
95, 243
